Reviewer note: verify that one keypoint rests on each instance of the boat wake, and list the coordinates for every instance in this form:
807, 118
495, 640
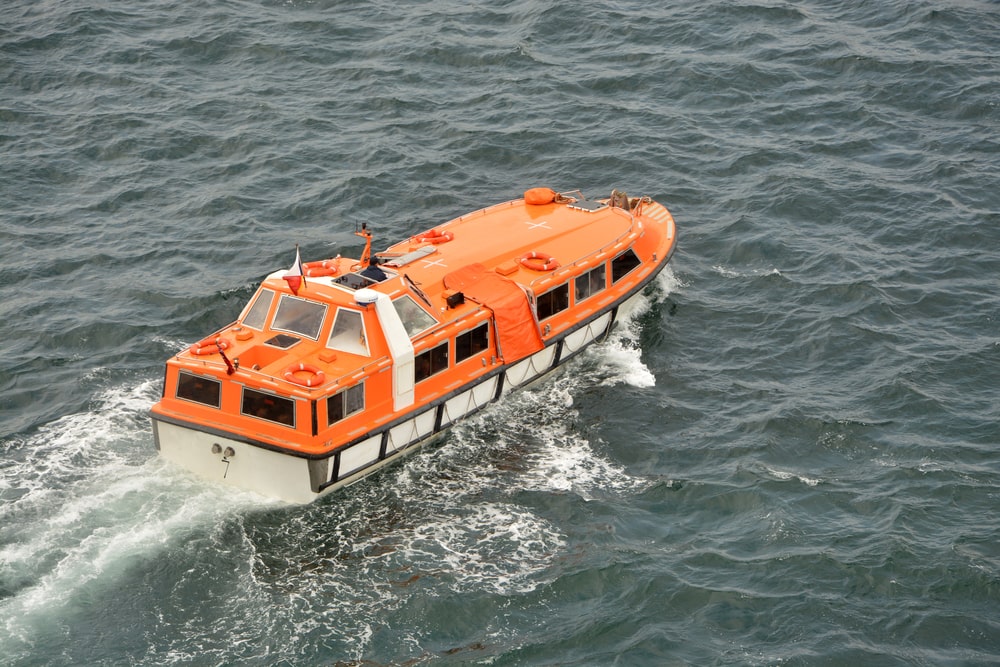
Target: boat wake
80, 500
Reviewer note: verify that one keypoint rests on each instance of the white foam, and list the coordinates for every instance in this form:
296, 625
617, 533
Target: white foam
91, 497
484, 546
557, 458
752, 273
334, 572
726, 273
171, 344
784, 475
621, 363
620, 357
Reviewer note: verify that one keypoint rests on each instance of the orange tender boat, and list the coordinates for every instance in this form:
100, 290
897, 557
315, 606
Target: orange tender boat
335, 368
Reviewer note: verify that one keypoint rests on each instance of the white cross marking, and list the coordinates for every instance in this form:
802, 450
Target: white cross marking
535, 225
435, 262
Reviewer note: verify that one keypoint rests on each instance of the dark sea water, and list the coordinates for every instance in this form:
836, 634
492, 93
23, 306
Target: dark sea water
789, 455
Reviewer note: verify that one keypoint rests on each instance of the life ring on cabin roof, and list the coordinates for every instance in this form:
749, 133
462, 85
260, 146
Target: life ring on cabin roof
538, 261
210, 346
328, 267
434, 236
315, 379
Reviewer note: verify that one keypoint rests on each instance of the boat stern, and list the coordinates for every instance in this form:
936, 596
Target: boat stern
216, 458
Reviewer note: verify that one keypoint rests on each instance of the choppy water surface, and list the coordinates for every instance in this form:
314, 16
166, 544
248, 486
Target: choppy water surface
789, 455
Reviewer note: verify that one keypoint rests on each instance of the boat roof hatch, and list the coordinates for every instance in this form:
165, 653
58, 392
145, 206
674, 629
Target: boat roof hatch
586, 205
406, 258
362, 279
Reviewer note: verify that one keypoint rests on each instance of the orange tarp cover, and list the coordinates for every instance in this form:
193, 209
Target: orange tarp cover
517, 331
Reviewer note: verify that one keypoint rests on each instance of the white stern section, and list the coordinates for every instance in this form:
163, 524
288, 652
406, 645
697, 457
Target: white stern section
248, 467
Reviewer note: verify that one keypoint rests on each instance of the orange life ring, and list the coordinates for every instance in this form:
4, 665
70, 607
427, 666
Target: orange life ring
210, 346
318, 269
316, 376
434, 236
538, 261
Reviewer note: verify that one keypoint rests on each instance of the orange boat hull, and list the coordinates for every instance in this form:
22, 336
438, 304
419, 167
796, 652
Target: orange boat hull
319, 385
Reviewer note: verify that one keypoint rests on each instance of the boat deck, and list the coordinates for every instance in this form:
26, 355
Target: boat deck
496, 237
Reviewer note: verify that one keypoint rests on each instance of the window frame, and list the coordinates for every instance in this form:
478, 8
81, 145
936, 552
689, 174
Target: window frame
323, 308
343, 397
587, 278
470, 333
408, 321
552, 309
616, 276
253, 308
362, 348
263, 395
434, 357
183, 375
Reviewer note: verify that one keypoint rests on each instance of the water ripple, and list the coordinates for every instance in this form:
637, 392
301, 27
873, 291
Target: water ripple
787, 456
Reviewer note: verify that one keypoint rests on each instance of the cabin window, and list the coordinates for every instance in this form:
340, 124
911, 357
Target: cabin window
345, 403
430, 362
472, 342
198, 389
554, 301
623, 264
348, 333
414, 318
268, 406
299, 316
590, 283
257, 315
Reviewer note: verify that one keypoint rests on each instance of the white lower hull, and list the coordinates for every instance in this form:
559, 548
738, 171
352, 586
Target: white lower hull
253, 468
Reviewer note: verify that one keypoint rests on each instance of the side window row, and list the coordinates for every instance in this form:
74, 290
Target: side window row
351, 400
279, 409
259, 404
467, 345
586, 285
267, 406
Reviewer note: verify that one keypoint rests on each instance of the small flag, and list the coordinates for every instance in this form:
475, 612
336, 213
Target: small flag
295, 277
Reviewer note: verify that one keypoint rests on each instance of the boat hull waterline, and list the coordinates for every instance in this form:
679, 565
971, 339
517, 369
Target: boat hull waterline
338, 367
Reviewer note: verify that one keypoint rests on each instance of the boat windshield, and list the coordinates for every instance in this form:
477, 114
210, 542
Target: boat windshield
299, 316
257, 314
348, 333
415, 319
